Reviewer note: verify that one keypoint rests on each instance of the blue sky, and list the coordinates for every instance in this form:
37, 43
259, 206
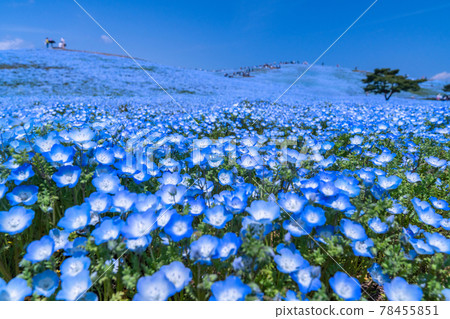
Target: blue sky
412, 35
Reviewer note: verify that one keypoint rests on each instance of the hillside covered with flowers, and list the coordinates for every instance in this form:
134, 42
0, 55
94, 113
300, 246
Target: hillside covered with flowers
112, 190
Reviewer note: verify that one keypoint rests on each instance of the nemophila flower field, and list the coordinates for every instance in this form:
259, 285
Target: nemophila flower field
104, 200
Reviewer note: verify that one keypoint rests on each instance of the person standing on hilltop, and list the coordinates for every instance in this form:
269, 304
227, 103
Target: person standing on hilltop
62, 44
49, 42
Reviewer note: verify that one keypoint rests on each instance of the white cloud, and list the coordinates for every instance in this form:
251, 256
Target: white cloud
106, 39
443, 76
14, 44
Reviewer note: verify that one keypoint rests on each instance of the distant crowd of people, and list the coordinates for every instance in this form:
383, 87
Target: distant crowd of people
50, 43
246, 71
442, 97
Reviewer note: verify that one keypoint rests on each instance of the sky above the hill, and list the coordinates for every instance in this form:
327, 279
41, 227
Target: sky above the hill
412, 35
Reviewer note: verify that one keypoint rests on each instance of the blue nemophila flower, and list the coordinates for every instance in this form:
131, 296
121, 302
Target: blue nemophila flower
119, 152
389, 183
141, 175
76, 247
327, 162
76, 217
236, 202
429, 217
139, 224
289, 261
399, 290
264, 212
179, 227
73, 287
245, 188
327, 176
60, 154
378, 192
16, 290
139, 244
109, 229
45, 283
99, 202
67, 176
435, 162
313, 216
11, 164
74, 265
362, 248
204, 185
229, 244
352, 230
255, 229
356, 140
439, 242
123, 201
292, 202
171, 195
421, 247
445, 223
104, 169
225, 177
196, 206
439, 204
81, 135
347, 186
217, 217
412, 231
177, 274
197, 158
346, 287
324, 233
413, 177
378, 226
307, 279
144, 202
156, 287
24, 194
377, 274
340, 202
203, 249
60, 237
21, 174
384, 158
164, 217
231, 289
107, 183
202, 143
397, 208
312, 183
170, 178
297, 227
247, 161
367, 176
45, 144
40, 250
104, 156
16, 220
420, 205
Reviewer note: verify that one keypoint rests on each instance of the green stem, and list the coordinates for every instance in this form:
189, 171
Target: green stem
4, 272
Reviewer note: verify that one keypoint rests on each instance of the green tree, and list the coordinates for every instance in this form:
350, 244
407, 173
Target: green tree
386, 81
446, 88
